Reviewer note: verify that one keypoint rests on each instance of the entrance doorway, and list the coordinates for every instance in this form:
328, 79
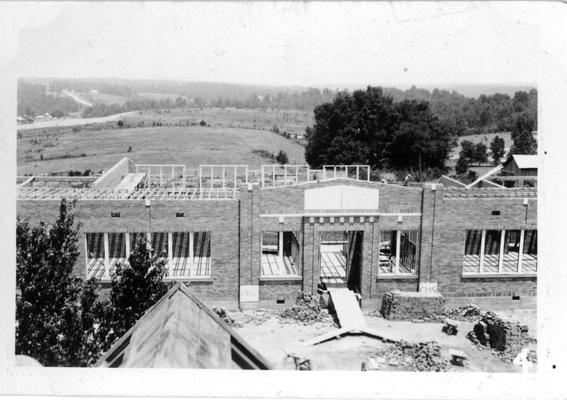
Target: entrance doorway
340, 258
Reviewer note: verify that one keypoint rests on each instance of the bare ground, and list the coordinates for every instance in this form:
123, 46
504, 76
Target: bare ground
275, 338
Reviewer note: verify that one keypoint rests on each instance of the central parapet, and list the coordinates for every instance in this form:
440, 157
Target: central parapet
273, 175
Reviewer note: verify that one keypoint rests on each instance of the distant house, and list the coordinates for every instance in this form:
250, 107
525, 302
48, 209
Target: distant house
520, 165
180, 331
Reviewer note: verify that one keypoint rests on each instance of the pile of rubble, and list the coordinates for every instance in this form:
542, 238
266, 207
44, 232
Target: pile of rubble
505, 338
221, 312
238, 319
469, 313
256, 317
307, 309
413, 356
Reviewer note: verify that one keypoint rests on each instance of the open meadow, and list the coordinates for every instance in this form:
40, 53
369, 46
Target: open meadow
291, 121
79, 149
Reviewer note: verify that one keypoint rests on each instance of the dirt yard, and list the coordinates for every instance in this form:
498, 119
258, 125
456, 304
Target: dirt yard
275, 338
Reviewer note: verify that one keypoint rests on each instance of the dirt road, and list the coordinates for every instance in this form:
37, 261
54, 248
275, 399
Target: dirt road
73, 121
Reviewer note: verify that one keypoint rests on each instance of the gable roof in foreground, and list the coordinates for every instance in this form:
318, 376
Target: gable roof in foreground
180, 331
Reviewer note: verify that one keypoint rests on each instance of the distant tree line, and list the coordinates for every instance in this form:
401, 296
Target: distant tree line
109, 86
464, 115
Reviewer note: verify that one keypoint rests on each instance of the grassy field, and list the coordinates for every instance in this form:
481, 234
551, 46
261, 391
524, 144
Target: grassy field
190, 146
160, 96
290, 121
104, 98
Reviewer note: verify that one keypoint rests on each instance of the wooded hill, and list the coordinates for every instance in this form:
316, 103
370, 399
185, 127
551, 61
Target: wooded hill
465, 115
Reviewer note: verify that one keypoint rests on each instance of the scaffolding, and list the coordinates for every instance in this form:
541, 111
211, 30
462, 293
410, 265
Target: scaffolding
222, 176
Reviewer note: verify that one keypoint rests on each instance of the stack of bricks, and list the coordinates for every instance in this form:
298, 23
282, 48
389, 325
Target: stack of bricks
499, 334
398, 305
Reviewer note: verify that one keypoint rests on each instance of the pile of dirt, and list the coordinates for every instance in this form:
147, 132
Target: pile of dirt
505, 338
469, 313
307, 309
424, 356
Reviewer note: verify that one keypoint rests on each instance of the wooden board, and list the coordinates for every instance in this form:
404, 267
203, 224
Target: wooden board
347, 309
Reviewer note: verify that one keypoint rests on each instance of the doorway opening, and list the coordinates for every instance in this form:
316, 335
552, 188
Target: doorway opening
341, 259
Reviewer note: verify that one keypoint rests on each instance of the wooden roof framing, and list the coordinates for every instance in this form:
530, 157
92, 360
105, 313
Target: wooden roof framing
488, 193
49, 193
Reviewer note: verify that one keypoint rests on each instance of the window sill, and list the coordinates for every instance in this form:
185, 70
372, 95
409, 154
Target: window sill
496, 276
382, 277
189, 279
284, 278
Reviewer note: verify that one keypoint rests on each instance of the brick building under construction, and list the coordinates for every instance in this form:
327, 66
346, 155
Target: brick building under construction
256, 238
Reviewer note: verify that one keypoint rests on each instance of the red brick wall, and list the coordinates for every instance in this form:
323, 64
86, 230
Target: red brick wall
453, 218
236, 228
271, 290
215, 216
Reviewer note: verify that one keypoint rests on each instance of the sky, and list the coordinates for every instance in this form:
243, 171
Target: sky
297, 43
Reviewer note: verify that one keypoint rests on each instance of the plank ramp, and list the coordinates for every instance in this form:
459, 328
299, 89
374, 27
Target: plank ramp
347, 309
350, 318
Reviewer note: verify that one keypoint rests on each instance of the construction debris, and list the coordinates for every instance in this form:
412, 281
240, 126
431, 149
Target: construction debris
411, 356
451, 326
458, 357
307, 309
237, 319
469, 313
505, 338
221, 312
301, 363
